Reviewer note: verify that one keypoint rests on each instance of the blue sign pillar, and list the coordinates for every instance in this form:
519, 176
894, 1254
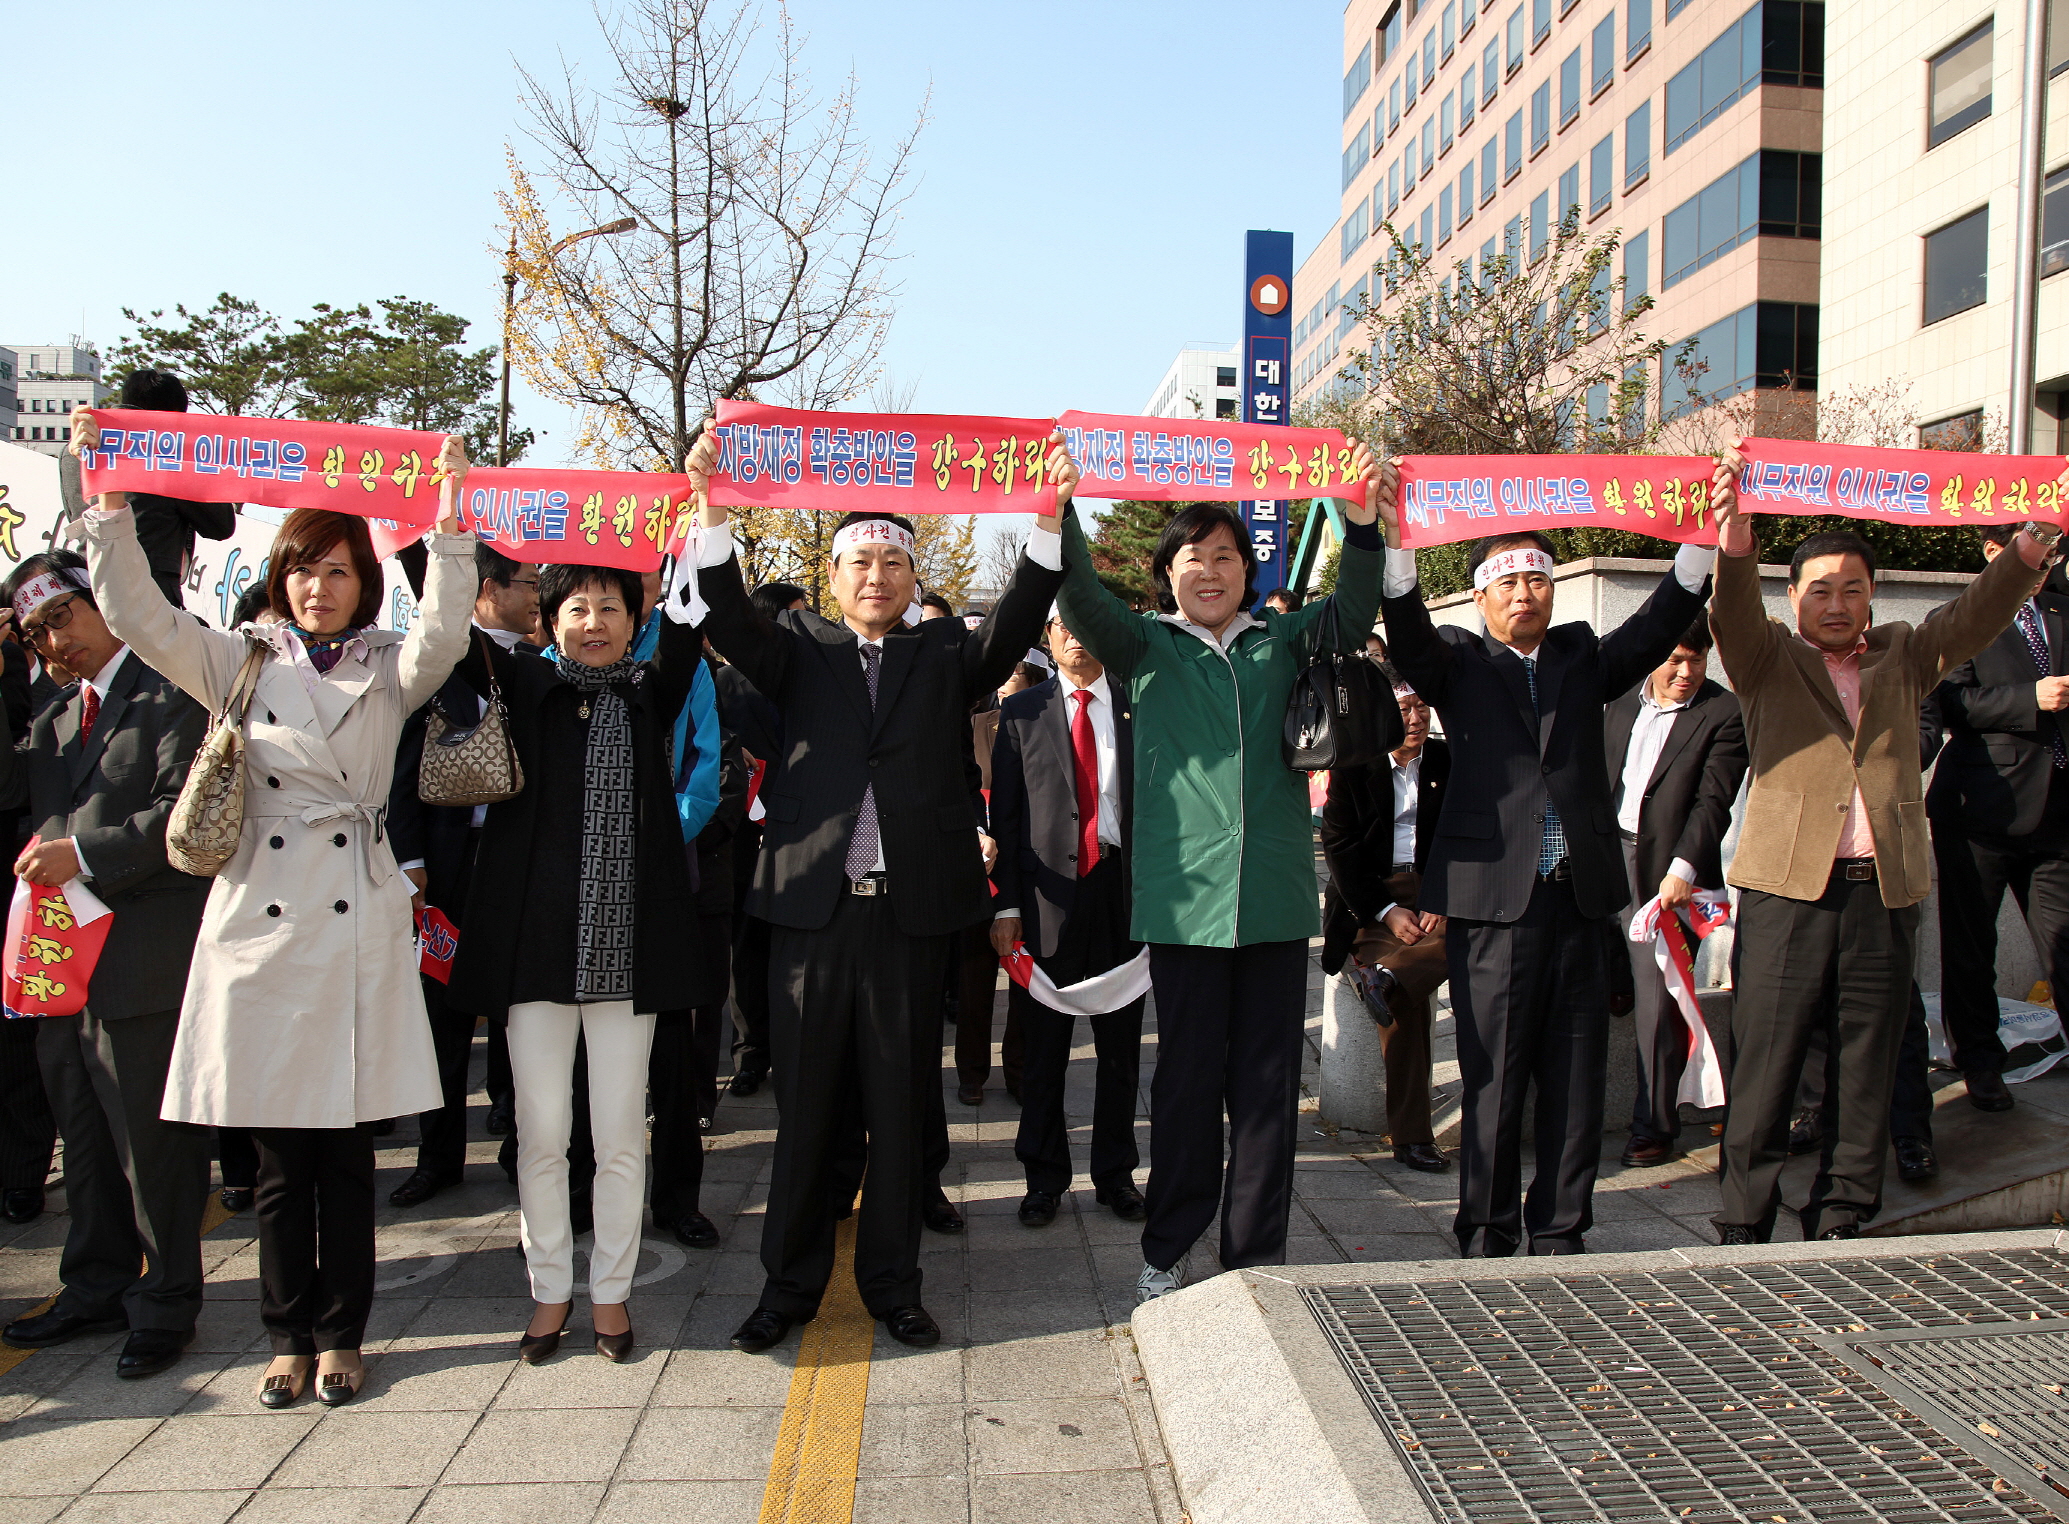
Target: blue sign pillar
1266, 365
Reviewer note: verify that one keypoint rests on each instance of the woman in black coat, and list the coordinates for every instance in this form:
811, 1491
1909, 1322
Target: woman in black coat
582, 920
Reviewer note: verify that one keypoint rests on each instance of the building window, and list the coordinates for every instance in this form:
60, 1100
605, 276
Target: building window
1468, 14
1956, 259
1512, 242
1429, 144
1444, 133
1675, 8
1489, 176
1355, 228
1963, 433
1357, 81
1540, 118
1791, 191
1224, 407
1512, 147
1601, 170
1540, 21
1465, 193
1465, 98
1425, 238
1394, 105
1409, 74
1443, 216
1408, 166
1602, 56
1785, 351
1792, 50
1540, 232
1394, 186
1354, 157
1224, 375
1516, 40
1390, 34
2054, 224
1769, 344
1490, 72
1637, 27
1638, 145
1959, 89
1448, 29
1569, 192
1569, 88
1487, 257
1717, 79
1710, 224
1636, 279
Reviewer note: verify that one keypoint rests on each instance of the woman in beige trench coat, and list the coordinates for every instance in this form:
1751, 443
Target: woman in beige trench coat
303, 1015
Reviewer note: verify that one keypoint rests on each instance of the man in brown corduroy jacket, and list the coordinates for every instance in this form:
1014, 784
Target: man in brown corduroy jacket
1835, 854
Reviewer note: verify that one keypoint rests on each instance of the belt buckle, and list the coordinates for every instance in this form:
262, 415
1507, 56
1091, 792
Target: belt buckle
1859, 873
864, 886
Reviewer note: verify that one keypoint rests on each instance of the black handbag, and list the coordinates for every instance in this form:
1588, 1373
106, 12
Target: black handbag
1342, 711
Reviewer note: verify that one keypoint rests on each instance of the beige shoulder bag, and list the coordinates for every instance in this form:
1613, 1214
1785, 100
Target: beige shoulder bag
209, 816
475, 764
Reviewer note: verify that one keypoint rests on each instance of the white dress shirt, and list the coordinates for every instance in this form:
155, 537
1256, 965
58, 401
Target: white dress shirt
1648, 735
100, 682
1407, 799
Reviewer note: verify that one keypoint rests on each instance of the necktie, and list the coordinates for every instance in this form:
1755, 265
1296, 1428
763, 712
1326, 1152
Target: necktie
863, 846
2036, 642
89, 711
1553, 851
1087, 755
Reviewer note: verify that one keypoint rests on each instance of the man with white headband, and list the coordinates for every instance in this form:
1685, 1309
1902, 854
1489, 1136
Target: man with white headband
1527, 866
870, 867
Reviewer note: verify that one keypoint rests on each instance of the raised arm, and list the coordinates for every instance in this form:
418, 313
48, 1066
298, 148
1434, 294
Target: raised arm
438, 639
1747, 640
1955, 632
200, 661
1091, 612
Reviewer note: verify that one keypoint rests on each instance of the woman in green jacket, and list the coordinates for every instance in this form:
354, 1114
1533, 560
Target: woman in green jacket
1223, 864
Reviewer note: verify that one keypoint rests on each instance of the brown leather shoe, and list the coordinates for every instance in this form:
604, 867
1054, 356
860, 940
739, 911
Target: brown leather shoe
970, 1095
1643, 1153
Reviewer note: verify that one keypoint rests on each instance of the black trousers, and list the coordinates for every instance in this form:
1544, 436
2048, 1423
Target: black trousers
442, 1134
316, 1236
239, 1157
135, 1185
1657, 1024
1974, 872
682, 1088
974, 981
1092, 940
1531, 1002
1910, 1101
854, 1013
1228, 1037
28, 1132
1843, 959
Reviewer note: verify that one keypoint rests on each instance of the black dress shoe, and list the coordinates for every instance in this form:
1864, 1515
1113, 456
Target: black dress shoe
534, 1348
1736, 1233
1037, 1209
765, 1326
970, 1095
235, 1198
1126, 1201
693, 1230
1842, 1230
24, 1204
1426, 1157
1987, 1091
746, 1082
150, 1350
911, 1325
501, 1118
615, 1347
1806, 1133
419, 1188
941, 1216
49, 1328
1915, 1161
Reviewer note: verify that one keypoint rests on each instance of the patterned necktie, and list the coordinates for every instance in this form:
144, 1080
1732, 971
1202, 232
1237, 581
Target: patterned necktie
2036, 642
1087, 756
864, 845
89, 711
1553, 851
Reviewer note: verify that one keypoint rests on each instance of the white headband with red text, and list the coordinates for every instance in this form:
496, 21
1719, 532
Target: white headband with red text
1523, 558
39, 590
873, 532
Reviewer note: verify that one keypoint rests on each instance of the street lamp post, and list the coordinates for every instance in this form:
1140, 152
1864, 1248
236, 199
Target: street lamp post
620, 225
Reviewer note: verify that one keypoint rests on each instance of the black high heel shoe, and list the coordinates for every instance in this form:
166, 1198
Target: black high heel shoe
614, 1347
534, 1348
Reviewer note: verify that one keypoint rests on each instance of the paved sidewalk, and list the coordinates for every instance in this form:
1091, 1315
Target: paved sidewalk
1033, 1408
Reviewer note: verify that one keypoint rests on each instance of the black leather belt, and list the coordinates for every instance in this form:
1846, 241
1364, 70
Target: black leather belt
1404, 867
1856, 870
1562, 870
869, 884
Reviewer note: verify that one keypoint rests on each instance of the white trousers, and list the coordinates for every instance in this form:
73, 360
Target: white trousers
542, 1066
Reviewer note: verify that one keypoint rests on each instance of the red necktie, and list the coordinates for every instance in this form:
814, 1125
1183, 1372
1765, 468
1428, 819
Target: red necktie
89, 712
1087, 756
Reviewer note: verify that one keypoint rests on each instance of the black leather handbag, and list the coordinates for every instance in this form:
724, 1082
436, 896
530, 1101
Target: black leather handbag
1342, 711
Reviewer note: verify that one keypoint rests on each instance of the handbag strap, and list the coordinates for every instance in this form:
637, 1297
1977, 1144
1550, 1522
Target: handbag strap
245, 686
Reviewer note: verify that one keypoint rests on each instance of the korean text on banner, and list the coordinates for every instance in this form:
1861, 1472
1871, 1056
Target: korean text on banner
1916, 487
880, 462
54, 938
377, 473
1205, 459
584, 518
1445, 498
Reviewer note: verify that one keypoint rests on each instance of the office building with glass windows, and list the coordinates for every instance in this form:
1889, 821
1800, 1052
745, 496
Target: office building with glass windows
1692, 128
1921, 191
1201, 383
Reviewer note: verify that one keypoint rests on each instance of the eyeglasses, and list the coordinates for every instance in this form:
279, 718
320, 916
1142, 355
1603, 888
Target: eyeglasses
57, 618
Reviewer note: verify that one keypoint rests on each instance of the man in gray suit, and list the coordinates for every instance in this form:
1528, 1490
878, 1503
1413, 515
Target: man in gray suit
100, 772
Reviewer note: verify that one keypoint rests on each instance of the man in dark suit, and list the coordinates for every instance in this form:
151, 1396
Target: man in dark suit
870, 865
100, 773
1999, 806
1062, 773
434, 846
1526, 868
1377, 827
1677, 753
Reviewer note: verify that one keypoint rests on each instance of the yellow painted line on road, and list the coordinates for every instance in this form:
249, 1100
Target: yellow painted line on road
213, 1216
812, 1474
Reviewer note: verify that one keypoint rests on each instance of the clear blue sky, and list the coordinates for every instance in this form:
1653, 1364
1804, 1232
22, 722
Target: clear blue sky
1084, 182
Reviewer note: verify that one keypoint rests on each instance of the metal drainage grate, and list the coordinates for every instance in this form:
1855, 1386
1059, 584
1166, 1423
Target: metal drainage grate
1719, 1393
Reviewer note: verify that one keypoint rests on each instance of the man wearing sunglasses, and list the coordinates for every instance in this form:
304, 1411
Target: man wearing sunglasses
100, 771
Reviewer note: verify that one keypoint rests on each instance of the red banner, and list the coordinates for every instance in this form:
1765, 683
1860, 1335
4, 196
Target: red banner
54, 939
1188, 459
587, 518
1898, 486
880, 462
438, 939
1445, 498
